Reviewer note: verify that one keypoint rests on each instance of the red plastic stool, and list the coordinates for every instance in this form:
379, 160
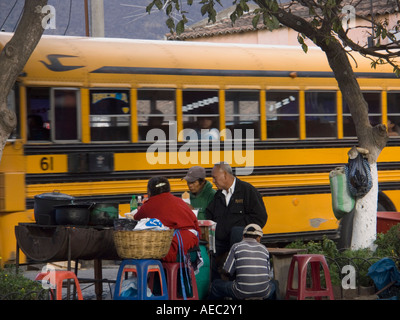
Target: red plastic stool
302, 291
56, 279
172, 273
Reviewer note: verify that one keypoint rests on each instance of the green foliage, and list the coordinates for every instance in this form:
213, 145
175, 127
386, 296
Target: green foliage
388, 246
326, 247
300, 39
14, 286
388, 243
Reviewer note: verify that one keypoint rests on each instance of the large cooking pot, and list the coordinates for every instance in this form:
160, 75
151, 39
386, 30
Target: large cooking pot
73, 214
44, 204
103, 214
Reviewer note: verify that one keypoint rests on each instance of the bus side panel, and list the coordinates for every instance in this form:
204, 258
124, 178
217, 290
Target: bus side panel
8, 242
12, 198
298, 213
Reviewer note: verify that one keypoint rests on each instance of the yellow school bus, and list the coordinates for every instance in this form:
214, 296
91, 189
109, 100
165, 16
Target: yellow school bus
99, 117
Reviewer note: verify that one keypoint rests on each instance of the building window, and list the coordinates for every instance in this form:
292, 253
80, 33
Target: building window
282, 114
320, 114
156, 109
110, 115
200, 114
242, 114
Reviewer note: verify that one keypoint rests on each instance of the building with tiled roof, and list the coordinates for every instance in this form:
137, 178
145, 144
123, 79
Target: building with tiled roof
242, 31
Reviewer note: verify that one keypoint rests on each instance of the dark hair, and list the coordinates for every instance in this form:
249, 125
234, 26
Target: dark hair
158, 185
253, 236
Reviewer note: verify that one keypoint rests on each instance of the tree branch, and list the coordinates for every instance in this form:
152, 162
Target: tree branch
17, 51
14, 56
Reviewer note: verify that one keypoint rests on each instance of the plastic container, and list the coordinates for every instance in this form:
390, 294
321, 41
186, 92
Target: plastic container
133, 203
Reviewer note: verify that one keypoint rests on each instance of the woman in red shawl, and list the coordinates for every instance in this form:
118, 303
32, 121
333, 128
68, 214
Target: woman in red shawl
173, 212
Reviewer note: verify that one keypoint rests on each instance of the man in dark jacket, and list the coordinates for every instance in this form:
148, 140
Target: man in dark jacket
235, 205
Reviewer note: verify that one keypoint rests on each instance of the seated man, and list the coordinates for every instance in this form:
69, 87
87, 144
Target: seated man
249, 262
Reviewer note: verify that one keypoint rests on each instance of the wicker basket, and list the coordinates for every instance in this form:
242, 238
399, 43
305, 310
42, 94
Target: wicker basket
143, 244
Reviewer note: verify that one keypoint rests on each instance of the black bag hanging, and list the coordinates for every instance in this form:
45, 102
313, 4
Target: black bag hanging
359, 177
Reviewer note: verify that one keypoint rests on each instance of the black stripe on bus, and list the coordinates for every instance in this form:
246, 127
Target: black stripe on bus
50, 148
233, 73
180, 173
34, 149
168, 173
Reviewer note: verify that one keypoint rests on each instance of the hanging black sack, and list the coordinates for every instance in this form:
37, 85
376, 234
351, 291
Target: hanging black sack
358, 174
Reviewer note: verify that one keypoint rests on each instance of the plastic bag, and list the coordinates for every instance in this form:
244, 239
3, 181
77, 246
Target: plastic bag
384, 272
129, 288
358, 175
150, 223
342, 201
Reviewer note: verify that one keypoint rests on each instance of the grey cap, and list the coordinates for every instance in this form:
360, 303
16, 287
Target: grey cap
253, 229
195, 173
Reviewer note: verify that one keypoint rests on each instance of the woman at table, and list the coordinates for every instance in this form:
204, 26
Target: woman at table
173, 212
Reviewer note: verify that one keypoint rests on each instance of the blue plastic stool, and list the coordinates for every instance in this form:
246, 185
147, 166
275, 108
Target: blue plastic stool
142, 268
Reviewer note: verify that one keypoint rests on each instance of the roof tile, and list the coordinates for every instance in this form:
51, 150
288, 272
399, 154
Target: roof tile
244, 24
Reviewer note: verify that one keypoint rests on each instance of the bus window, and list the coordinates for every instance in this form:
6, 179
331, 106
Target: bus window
282, 114
110, 114
374, 107
11, 104
200, 114
156, 110
373, 100
320, 114
242, 112
38, 107
393, 114
65, 114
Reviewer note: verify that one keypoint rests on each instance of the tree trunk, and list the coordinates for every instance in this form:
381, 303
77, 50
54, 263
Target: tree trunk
364, 221
371, 138
13, 58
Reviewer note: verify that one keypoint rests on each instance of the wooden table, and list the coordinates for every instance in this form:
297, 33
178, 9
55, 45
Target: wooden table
44, 244
281, 259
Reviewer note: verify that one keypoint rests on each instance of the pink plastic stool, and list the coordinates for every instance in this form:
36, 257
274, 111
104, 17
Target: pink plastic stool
302, 291
172, 273
56, 279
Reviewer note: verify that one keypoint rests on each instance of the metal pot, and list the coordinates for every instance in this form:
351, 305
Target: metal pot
44, 204
74, 214
103, 214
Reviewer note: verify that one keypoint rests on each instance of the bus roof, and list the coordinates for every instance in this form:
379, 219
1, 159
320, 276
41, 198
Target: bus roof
67, 58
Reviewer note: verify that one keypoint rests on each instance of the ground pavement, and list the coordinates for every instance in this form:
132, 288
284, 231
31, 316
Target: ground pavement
86, 271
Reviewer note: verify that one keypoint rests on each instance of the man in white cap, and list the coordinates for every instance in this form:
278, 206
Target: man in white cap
247, 261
